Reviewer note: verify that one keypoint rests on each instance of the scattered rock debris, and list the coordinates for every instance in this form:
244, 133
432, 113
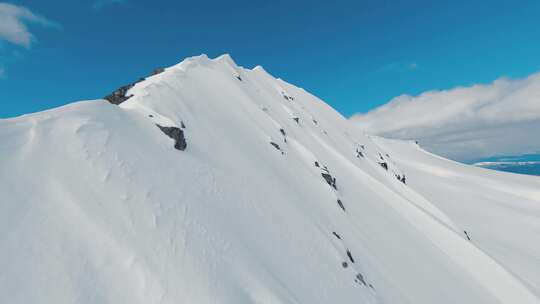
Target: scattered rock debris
177, 134
336, 235
360, 279
287, 97
359, 153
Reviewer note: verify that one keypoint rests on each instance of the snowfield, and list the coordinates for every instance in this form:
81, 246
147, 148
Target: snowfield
276, 198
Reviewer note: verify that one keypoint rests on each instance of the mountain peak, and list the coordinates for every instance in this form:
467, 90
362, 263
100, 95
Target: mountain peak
210, 183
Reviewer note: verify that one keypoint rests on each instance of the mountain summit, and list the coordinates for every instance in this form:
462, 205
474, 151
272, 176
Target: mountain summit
210, 183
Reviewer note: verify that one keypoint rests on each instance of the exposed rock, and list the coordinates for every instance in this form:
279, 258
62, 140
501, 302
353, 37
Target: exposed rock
329, 179
336, 235
157, 71
296, 119
282, 132
344, 264
384, 165
239, 78
350, 256
119, 96
275, 145
467, 235
360, 278
177, 134
317, 164
182, 125
340, 203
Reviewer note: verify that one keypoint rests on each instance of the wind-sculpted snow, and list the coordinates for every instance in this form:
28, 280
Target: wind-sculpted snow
276, 199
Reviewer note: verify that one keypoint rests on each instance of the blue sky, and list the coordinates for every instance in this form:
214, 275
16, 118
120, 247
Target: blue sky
356, 55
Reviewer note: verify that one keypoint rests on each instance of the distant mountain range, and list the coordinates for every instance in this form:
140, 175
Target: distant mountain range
524, 164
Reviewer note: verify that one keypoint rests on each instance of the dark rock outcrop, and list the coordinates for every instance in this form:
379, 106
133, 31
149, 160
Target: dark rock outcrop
336, 235
119, 96
330, 180
340, 203
157, 71
177, 134
384, 165
349, 254
275, 145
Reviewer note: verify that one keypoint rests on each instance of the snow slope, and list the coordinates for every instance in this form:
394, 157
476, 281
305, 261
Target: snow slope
97, 206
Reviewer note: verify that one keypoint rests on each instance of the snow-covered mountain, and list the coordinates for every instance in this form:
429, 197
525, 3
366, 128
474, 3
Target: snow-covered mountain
211, 183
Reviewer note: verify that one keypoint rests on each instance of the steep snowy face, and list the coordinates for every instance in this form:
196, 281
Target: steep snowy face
210, 183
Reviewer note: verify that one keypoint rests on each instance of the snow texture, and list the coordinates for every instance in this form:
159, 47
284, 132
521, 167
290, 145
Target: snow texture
97, 205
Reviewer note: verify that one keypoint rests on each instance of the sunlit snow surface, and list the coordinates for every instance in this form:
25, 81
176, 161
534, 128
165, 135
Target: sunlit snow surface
97, 206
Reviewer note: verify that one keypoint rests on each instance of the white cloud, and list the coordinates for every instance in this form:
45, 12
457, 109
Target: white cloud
13, 24
465, 123
101, 3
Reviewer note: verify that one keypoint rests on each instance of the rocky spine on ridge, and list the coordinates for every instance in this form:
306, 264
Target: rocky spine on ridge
120, 95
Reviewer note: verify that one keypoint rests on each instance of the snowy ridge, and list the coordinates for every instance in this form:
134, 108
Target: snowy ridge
276, 198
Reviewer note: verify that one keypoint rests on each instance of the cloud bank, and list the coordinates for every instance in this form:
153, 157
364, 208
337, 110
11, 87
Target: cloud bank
465, 123
13, 24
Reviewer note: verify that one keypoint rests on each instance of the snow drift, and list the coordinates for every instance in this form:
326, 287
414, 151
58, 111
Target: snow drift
211, 183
